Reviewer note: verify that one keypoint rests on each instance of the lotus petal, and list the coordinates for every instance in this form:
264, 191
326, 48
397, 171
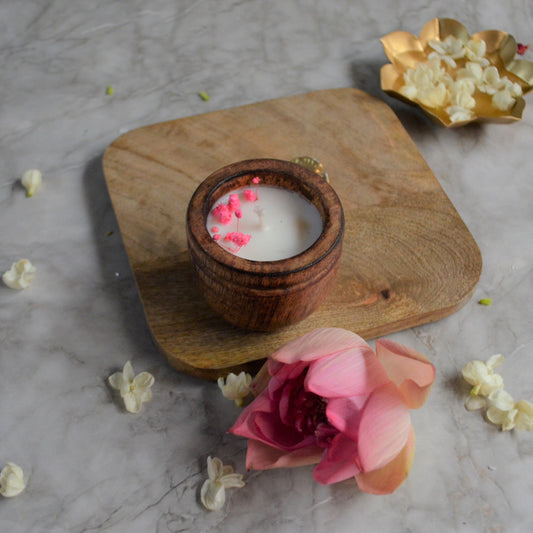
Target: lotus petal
260, 456
318, 343
408, 369
387, 479
352, 373
345, 414
339, 462
384, 428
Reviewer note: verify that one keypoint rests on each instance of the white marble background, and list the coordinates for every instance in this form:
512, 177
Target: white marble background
92, 467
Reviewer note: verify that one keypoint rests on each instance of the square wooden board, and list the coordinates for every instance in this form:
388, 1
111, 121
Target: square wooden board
408, 258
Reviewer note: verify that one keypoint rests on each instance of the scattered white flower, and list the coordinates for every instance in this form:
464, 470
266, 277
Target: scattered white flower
20, 275
11, 480
221, 477
473, 403
134, 390
31, 180
482, 377
504, 412
235, 387
488, 392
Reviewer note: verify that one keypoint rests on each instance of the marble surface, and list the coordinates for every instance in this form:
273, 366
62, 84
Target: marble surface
92, 467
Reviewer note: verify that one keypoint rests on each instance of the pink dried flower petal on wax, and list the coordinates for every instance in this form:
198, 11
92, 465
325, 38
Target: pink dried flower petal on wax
222, 213
233, 202
521, 49
238, 238
250, 195
330, 400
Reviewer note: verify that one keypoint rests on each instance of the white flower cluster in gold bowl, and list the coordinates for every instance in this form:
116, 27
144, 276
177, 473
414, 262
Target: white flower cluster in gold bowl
456, 78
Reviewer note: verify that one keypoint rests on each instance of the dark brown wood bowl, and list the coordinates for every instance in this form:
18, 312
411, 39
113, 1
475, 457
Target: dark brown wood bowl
265, 295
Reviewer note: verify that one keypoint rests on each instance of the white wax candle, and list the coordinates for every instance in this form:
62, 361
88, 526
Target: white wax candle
280, 223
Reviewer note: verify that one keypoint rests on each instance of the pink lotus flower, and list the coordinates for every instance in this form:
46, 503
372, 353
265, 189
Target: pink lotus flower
330, 400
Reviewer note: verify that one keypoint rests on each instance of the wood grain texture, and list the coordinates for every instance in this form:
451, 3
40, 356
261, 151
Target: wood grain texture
408, 258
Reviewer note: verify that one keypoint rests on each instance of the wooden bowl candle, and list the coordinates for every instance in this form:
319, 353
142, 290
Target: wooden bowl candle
265, 240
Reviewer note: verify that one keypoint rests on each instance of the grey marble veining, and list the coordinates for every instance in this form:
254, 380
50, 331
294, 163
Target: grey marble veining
92, 467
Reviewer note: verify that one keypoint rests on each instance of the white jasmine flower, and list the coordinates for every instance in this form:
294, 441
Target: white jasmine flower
436, 96
491, 81
438, 46
11, 480
221, 477
482, 377
503, 100
235, 388
134, 390
447, 50
409, 91
475, 402
474, 50
443, 57
514, 88
459, 114
461, 93
20, 275
424, 75
31, 180
472, 71
504, 412
427, 83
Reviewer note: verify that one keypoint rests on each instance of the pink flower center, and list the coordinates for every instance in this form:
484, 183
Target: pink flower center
308, 415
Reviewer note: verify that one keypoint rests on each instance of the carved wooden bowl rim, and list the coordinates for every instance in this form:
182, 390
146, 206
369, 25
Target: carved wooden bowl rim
271, 172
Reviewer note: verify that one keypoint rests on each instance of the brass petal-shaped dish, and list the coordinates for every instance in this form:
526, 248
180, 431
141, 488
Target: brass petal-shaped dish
405, 51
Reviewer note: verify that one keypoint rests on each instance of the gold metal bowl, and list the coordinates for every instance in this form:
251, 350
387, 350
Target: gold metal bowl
406, 51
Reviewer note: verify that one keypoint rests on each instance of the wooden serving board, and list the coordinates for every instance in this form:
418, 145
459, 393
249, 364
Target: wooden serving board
408, 258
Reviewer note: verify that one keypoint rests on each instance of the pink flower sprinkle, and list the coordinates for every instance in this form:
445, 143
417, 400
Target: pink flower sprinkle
238, 238
250, 195
238, 213
256, 180
521, 49
222, 213
233, 202
217, 236
214, 229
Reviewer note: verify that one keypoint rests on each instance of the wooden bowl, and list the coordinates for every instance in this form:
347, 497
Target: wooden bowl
265, 295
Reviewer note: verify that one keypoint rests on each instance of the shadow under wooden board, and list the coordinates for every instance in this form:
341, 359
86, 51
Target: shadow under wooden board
408, 258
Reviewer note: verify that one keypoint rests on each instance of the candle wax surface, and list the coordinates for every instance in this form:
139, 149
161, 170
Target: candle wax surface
281, 223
